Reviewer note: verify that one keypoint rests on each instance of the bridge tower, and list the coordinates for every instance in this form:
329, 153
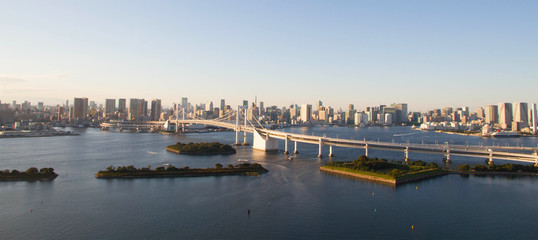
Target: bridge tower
245, 130
366, 150
331, 151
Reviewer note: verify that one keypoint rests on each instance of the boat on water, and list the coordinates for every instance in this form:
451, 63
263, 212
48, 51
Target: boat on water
242, 160
290, 158
505, 134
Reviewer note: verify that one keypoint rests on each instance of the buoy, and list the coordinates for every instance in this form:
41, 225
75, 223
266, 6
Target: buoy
269, 204
412, 226
416, 187
249, 211
373, 193
375, 210
31, 210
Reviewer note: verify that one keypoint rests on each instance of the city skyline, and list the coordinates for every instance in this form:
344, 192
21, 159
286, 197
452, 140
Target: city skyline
430, 55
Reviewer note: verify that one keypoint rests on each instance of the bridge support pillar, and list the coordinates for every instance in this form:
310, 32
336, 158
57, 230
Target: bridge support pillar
295, 151
536, 161
331, 151
490, 161
447, 156
406, 158
286, 145
319, 152
366, 150
264, 143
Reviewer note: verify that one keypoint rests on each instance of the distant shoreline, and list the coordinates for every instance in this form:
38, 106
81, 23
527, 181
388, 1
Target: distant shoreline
23, 134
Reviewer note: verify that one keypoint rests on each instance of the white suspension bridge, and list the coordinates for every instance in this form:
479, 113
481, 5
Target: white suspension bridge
267, 140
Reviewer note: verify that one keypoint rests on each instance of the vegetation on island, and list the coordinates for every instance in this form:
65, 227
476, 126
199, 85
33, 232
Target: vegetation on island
510, 167
30, 174
381, 168
171, 171
203, 148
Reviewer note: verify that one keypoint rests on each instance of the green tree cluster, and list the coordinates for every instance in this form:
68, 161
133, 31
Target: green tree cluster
203, 148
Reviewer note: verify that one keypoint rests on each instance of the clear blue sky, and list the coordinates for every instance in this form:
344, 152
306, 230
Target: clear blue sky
429, 54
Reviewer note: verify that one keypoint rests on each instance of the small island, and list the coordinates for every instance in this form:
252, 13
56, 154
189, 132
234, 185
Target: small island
203, 148
502, 169
31, 174
380, 170
248, 169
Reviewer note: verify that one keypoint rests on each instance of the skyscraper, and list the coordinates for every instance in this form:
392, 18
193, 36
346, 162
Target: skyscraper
533, 117
245, 103
492, 114
110, 106
222, 104
136, 108
122, 105
401, 112
80, 108
520, 112
209, 106
306, 112
505, 115
185, 103
155, 109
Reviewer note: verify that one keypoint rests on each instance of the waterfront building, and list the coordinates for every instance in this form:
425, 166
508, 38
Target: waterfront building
136, 108
306, 112
401, 112
492, 114
505, 115
110, 106
388, 118
533, 116
122, 105
520, 113
222, 104
80, 108
380, 118
155, 109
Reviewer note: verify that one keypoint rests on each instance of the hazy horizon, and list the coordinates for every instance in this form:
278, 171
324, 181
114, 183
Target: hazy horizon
426, 54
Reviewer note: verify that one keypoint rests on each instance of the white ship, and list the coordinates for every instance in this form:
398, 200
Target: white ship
505, 134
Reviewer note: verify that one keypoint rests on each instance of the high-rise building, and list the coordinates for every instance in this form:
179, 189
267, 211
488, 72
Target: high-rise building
122, 105
209, 106
245, 103
136, 108
520, 112
533, 117
401, 112
185, 103
110, 106
222, 104
80, 108
505, 115
492, 114
40, 105
155, 109
480, 113
306, 112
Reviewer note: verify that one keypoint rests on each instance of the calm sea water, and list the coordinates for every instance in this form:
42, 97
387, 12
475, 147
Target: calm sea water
293, 201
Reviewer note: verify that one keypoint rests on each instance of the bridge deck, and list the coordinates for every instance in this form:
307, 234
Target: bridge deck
461, 150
